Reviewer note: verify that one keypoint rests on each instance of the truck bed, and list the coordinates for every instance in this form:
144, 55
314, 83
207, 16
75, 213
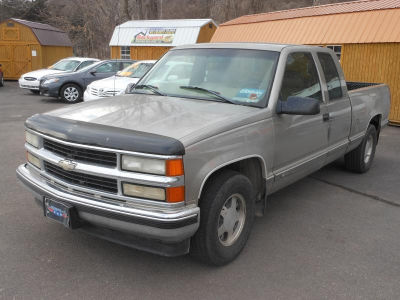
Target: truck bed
368, 99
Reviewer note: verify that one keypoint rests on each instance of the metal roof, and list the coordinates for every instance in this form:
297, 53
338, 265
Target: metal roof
363, 22
47, 35
328, 9
186, 31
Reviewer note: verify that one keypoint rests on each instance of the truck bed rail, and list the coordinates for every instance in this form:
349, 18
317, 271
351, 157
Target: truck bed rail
353, 85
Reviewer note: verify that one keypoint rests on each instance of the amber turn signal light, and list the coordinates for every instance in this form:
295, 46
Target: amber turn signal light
175, 194
174, 167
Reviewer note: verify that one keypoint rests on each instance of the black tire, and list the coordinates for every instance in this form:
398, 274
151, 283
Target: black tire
358, 159
36, 92
207, 245
2, 81
71, 93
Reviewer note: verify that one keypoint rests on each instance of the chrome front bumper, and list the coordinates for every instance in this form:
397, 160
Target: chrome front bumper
164, 227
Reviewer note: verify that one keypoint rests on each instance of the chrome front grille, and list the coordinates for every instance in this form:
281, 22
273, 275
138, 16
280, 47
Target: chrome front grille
102, 93
81, 179
94, 91
86, 170
81, 154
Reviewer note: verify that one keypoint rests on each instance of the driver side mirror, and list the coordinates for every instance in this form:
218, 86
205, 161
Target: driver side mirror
295, 105
129, 88
93, 73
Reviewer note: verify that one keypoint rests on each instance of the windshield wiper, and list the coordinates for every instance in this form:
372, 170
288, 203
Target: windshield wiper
153, 88
216, 94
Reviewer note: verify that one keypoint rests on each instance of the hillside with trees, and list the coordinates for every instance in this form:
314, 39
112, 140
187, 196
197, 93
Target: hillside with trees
90, 23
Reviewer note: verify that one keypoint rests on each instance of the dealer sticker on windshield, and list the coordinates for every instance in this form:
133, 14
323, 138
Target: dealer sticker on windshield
250, 94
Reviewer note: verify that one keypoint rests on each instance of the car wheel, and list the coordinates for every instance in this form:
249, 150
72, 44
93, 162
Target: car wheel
71, 93
36, 92
226, 218
360, 159
2, 81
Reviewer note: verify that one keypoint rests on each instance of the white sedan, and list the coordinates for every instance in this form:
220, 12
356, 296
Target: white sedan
31, 80
117, 84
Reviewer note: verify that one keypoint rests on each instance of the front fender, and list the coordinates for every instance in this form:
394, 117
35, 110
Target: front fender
204, 158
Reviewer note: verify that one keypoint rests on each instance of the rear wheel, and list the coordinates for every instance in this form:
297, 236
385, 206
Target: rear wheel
36, 92
360, 159
226, 218
71, 93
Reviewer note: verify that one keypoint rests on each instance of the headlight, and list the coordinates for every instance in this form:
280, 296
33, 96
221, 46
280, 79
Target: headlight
33, 159
172, 167
170, 195
143, 165
52, 80
32, 139
141, 191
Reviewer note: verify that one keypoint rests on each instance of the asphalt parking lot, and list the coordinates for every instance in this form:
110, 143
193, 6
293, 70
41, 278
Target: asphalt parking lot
333, 235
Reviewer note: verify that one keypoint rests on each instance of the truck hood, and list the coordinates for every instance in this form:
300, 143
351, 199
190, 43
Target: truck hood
42, 72
187, 120
118, 82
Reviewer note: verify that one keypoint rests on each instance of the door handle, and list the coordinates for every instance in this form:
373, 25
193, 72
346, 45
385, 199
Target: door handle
326, 117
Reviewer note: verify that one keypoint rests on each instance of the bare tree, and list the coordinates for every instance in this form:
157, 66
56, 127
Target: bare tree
90, 23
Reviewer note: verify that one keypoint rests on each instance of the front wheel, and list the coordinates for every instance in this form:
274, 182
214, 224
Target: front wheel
360, 159
71, 93
226, 218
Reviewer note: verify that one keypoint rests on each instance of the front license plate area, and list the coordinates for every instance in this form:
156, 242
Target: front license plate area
57, 211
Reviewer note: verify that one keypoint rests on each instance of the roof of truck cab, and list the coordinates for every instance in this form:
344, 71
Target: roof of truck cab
250, 46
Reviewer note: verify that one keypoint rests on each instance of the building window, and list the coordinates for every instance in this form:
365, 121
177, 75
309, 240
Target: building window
125, 52
337, 49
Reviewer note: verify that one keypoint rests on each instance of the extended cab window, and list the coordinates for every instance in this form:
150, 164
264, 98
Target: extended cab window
301, 77
331, 75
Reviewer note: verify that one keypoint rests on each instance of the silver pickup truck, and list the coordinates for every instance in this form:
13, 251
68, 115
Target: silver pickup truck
184, 162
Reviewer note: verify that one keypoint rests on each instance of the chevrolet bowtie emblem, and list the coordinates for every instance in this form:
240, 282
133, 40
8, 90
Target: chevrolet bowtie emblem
66, 164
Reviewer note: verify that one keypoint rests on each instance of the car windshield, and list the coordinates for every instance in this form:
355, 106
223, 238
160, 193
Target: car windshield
238, 76
135, 70
65, 65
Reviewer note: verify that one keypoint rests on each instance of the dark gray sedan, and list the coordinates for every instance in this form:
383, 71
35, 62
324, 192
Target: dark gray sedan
70, 86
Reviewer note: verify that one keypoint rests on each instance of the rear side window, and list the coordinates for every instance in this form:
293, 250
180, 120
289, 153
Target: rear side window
106, 68
85, 64
331, 75
301, 77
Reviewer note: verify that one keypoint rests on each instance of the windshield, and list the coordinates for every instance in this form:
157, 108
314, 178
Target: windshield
65, 65
230, 75
135, 70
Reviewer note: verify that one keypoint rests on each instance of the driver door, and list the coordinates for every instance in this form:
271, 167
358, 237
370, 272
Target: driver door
300, 140
105, 70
